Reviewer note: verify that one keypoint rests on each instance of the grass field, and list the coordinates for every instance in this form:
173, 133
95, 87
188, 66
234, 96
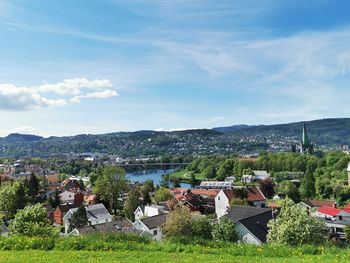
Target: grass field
185, 175
153, 257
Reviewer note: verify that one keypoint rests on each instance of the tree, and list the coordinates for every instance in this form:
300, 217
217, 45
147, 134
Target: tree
55, 200
347, 232
132, 202
193, 180
308, 189
162, 194
110, 186
201, 227
34, 186
175, 181
267, 187
295, 227
290, 190
13, 196
209, 172
224, 230
179, 222
32, 221
79, 218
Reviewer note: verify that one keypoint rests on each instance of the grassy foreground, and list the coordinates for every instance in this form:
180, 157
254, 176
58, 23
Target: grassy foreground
154, 257
127, 248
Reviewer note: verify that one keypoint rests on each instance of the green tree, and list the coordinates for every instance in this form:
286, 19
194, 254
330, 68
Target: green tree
132, 202
290, 190
110, 185
13, 196
79, 218
178, 223
224, 230
32, 222
55, 200
201, 227
295, 227
162, 194
34, 186
209, 172
193, 180
308, 189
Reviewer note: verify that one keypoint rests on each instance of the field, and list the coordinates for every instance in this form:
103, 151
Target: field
126, 248
152, 256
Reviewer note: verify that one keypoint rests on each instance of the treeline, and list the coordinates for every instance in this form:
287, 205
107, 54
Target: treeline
322, 176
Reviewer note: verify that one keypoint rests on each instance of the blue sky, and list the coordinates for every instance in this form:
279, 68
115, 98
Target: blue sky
95, 66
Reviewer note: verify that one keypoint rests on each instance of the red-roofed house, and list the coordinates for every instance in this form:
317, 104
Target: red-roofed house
317, 203
331, 213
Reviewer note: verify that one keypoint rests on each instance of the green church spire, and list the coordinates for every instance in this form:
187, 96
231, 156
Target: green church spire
305, 138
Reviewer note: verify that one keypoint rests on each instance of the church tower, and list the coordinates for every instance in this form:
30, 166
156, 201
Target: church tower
306, 146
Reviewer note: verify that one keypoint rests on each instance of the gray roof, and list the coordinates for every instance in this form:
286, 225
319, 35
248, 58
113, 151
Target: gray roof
102, 228
154, 221
97, 211
253, 218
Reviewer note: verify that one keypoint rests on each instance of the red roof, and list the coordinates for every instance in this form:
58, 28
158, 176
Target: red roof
331, 211
320, 203
347, 208
254, 194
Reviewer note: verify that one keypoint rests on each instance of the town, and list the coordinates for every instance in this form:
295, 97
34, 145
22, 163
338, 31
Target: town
229, 198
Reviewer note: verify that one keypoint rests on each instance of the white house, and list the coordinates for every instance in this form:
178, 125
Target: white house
222, 202
149, 210
97, 214
151, 225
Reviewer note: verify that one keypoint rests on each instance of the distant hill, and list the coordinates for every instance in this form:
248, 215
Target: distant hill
333, 131
218, 141
232, 128
17, 137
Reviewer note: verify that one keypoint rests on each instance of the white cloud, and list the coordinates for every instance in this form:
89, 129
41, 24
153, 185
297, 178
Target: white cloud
75, 86
13, 98
98, 94
23, 98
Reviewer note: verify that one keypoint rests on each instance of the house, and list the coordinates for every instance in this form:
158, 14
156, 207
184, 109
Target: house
61, 211
151, 225
336, 220
309, 204
332, 214
52, 179
215, 185
143, 211
260, 175
250, 223
222, 201
97, 214
70, 184
256, 197
231, 179
106, 228
72, 197
257, 176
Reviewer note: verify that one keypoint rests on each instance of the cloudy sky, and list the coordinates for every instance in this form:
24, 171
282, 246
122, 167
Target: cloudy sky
95, 66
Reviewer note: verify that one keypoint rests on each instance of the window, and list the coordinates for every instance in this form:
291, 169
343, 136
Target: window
155, 232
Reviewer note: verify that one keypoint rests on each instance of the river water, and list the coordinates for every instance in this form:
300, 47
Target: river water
154, 175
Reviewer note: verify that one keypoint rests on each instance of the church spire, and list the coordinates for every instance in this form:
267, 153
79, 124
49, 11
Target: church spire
305, 138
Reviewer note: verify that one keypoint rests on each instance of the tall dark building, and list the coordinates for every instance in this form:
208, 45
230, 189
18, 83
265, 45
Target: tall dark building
306, 146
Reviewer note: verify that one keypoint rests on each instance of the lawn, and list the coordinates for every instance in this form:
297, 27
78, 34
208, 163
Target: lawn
148, 256
186, 175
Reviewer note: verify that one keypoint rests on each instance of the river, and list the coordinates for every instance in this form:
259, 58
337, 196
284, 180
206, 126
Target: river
154, 175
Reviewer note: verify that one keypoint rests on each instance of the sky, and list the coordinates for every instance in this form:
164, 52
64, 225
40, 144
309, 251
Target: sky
95, 66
